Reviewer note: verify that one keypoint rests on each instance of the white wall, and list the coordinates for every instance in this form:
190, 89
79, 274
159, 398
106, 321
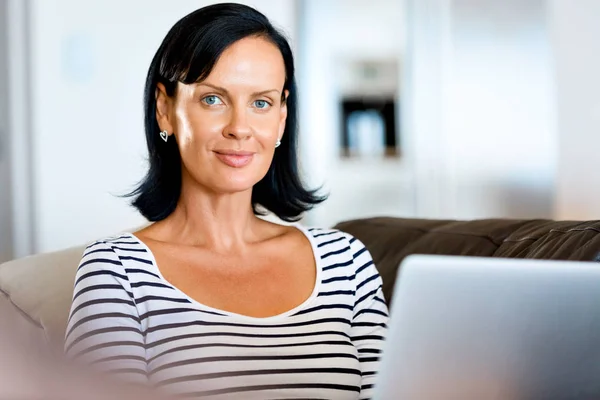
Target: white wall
484, 136
575, 36
427, 44
478, 109
89, 61
332, 31
19, 126
6, 234
501, 137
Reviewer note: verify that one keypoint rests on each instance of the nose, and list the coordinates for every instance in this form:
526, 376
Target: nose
238, 126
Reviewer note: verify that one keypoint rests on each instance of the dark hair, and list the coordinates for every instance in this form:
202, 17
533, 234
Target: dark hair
188, 54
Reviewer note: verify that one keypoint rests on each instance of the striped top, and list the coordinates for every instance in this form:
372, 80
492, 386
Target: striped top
128, 320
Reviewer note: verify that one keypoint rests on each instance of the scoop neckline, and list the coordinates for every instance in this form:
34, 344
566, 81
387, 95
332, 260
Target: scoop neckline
314, 294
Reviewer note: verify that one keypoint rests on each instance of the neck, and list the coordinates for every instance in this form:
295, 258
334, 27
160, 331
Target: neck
223, 222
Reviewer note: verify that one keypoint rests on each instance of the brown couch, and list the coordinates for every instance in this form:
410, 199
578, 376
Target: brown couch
36, 291
391, 239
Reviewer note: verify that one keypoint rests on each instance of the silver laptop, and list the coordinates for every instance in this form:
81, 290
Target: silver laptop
471, 328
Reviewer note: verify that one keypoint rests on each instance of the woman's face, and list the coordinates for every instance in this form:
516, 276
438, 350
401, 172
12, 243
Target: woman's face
227, 125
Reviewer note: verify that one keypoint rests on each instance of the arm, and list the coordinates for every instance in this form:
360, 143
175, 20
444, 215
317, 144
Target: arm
369, 323
104, 327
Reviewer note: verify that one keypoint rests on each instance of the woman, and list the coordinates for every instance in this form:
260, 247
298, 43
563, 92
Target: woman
211, 300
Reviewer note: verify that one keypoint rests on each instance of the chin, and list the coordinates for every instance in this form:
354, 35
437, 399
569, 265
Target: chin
228, 181
235, 183
232, 189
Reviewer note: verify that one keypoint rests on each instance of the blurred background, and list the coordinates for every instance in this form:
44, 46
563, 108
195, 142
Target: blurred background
455, 109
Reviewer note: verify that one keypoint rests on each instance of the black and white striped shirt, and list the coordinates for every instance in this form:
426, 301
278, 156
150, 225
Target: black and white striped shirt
127, 319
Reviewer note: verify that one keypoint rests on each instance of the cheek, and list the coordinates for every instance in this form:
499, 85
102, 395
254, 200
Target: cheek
196, 128
266, 127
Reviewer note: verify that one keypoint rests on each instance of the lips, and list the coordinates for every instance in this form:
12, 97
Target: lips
234, 159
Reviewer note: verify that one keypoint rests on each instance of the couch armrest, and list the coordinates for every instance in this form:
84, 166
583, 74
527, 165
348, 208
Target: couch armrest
39, 288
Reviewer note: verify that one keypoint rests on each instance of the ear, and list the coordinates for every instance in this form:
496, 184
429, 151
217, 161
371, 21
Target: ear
164, 107
283, 113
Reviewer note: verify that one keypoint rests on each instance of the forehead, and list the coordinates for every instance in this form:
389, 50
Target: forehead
252, 61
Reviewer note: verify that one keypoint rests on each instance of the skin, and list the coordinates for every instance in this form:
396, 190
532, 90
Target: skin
213, 247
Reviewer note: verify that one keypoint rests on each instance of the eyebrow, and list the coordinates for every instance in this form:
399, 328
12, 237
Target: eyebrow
221, 89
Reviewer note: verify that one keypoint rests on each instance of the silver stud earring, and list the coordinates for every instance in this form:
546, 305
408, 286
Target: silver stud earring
277, 143
164, 135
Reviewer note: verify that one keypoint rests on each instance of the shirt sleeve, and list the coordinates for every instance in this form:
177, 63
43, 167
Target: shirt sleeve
369, 323
104, 329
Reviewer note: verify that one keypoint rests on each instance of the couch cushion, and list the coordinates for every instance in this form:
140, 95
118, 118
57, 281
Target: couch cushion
41, 287
391, 239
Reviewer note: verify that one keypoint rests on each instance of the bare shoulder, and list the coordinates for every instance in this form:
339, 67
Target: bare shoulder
299, 236
146, 232
283, 235
297, 240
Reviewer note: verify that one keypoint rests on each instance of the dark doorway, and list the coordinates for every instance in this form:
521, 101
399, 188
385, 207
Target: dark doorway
369, 127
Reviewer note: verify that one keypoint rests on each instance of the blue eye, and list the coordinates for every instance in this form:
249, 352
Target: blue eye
212, 100
262, 104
